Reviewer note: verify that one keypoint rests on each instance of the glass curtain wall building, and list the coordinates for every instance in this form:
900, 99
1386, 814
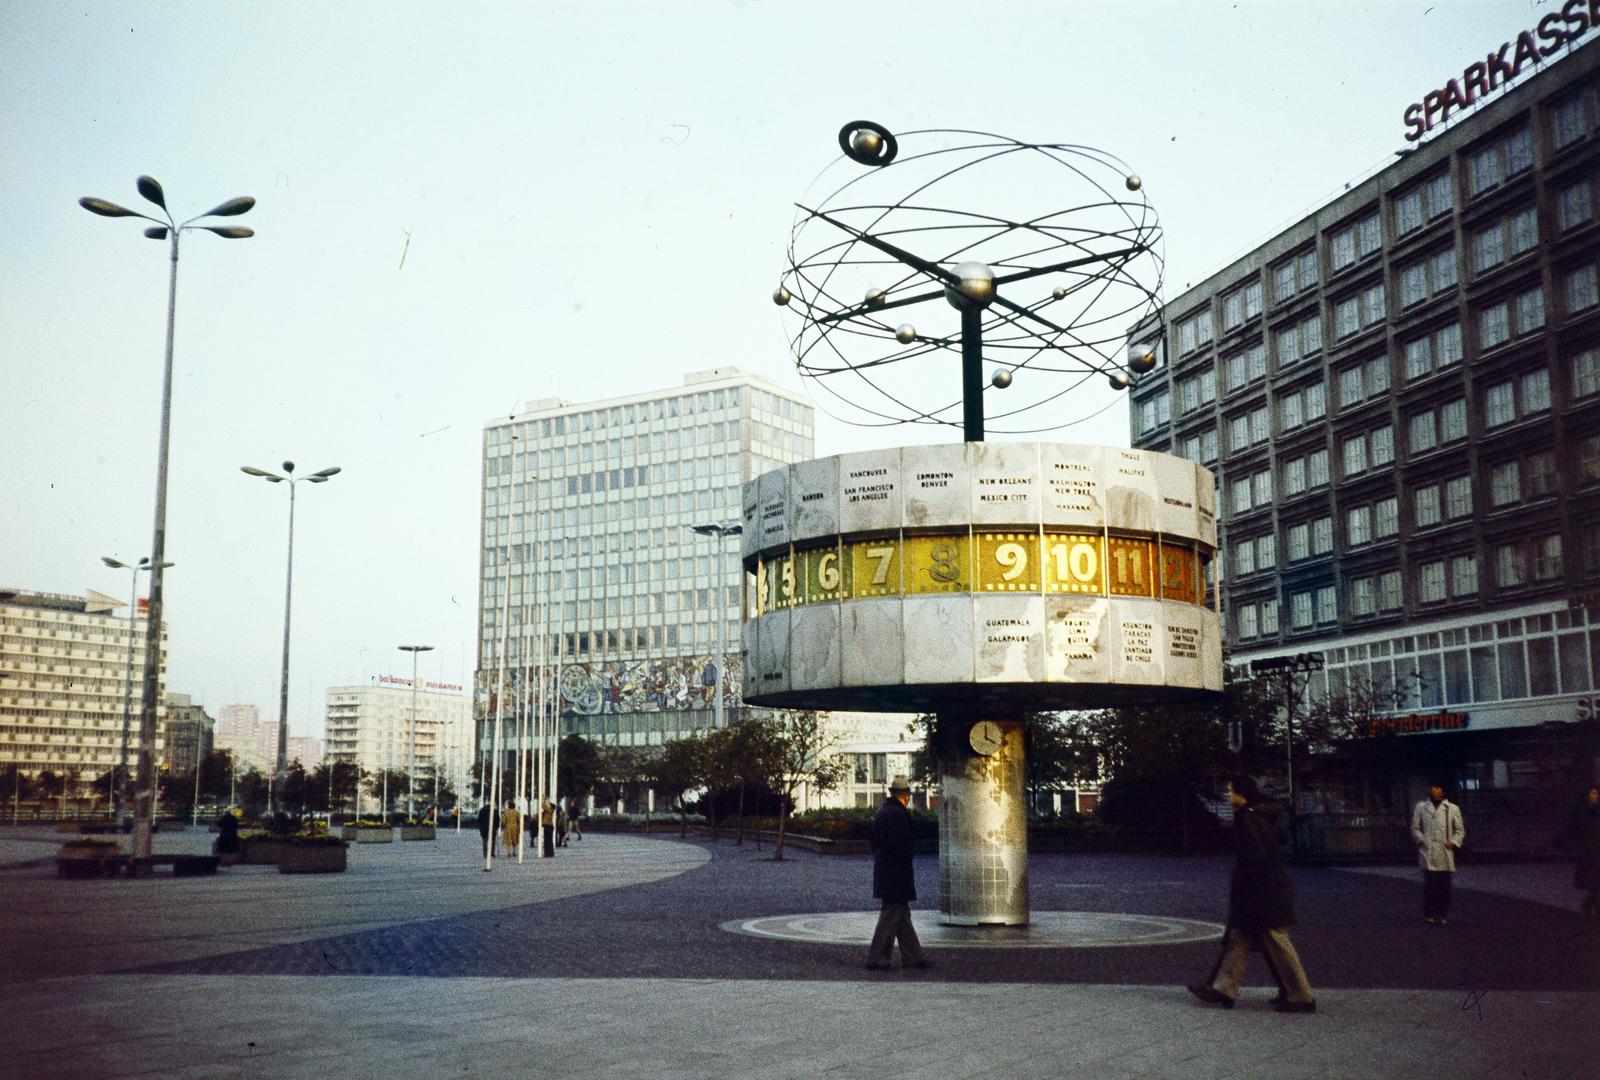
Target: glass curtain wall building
1400, 395
590, 568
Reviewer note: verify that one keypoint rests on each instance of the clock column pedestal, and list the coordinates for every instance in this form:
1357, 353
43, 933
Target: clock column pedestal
983, 824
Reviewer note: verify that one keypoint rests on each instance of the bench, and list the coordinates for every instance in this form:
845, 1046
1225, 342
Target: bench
182, 865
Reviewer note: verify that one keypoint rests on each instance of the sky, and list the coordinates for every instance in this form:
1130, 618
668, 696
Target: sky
465, 207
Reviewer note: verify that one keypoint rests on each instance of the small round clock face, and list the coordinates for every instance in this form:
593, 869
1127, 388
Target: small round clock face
986, 737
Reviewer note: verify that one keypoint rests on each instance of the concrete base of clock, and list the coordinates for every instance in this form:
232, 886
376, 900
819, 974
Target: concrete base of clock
983, 826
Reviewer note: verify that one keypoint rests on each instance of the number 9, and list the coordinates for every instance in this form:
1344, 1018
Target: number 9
1013, 556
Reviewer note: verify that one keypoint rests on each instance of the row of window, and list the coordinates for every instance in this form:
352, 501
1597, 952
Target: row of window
687, 404
1483, 169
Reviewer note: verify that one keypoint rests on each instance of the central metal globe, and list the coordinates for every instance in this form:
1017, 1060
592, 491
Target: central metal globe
975, 287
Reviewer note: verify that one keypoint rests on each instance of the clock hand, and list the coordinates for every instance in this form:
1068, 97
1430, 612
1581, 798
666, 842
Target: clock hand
933, 270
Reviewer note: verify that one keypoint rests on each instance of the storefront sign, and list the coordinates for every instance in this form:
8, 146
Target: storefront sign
1415, 722
395, 680
1482, 77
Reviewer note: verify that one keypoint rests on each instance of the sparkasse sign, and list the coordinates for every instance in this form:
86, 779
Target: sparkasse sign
1482, 77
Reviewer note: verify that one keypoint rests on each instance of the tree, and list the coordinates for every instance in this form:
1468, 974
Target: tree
679, 769
793, 749
580, 766
216, 775
1054, 757
250, 788
373, 786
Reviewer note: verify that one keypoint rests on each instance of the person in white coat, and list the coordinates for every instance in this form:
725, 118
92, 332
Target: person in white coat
1438, 831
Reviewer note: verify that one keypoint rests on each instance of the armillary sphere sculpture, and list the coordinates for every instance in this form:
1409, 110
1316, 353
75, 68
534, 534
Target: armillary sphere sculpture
888, 272
978, 581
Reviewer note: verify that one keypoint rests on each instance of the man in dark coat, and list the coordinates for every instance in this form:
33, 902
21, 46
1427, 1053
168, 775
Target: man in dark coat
1260, 908
488, 821
894, 882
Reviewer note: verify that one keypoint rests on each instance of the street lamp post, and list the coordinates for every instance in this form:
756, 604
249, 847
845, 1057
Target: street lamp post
281, 772
1300, 663
169, 229
722, 532
411, 770
121, 792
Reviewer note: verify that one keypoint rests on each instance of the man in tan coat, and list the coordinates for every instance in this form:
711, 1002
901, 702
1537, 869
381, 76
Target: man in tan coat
1438, 832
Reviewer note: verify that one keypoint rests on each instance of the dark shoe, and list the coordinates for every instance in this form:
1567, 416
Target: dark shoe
1287, 1006
923, 963
1210, 996
873, 965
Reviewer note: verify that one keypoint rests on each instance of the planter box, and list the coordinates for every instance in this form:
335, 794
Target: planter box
348, 832
313, 859
262, 852
383, 834
89, 862
418, 832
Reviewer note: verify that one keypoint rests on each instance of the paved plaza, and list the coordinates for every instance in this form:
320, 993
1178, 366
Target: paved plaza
653, 957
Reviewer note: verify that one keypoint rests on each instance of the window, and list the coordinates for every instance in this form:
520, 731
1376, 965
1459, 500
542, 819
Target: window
1589, 460
1510, 568
1300, 611
1266, 552
1294, 275
1314, 400
1442, 269
1244, 557
1247, 621
1386, 517
1241, 304
1413, 284
1425, 202
1288, 344
1523, 227
1317, 468
1582, 289
1488, 248
1294, 476
1322, 536
1408, 212
1327, 604
1194, 332
1363, 596
1453, 420
1447, 345
1390, 591
1355, 241
1530, 311
1261, 488
1505, 484
1494, 326
1381, 445
1350, 386
1425, 505
1458, 497
1155, 411
1346, 318
1574, 206
1499, 161
1419, 358
1539, 470
1423, 435
1547, 557
1289, 414
1499, 405
1358, 526
1355, 455
1569, 121
1269, 616
1430, 582
1464, 575
1535, 388
1299, 542
1259, 428
1440, 199
1586, 373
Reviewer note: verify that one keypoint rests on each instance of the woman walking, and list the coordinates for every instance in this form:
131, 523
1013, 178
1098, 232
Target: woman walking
1260, 909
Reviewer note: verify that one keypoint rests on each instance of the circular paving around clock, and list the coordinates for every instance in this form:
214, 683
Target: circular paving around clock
1046, 930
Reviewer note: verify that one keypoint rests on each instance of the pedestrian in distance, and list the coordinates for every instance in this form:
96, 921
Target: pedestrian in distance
1438, 831
1584, 832
547, 828
894, 882
1260, 908
511, 827
561, 825
226, 847
487, 823
574, 819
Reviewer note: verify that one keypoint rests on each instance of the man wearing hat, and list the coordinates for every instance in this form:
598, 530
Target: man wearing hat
893, 882
1437, 830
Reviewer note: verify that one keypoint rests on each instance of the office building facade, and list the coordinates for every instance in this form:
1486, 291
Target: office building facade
590, 565
189, 734
1400, 396
372, 726
65, 685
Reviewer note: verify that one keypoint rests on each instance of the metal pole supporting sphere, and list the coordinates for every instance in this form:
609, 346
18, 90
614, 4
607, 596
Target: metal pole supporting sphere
164, 228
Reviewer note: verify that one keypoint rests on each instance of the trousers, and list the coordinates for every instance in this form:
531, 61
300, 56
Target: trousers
1436, 893
894, 923
1280, 955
